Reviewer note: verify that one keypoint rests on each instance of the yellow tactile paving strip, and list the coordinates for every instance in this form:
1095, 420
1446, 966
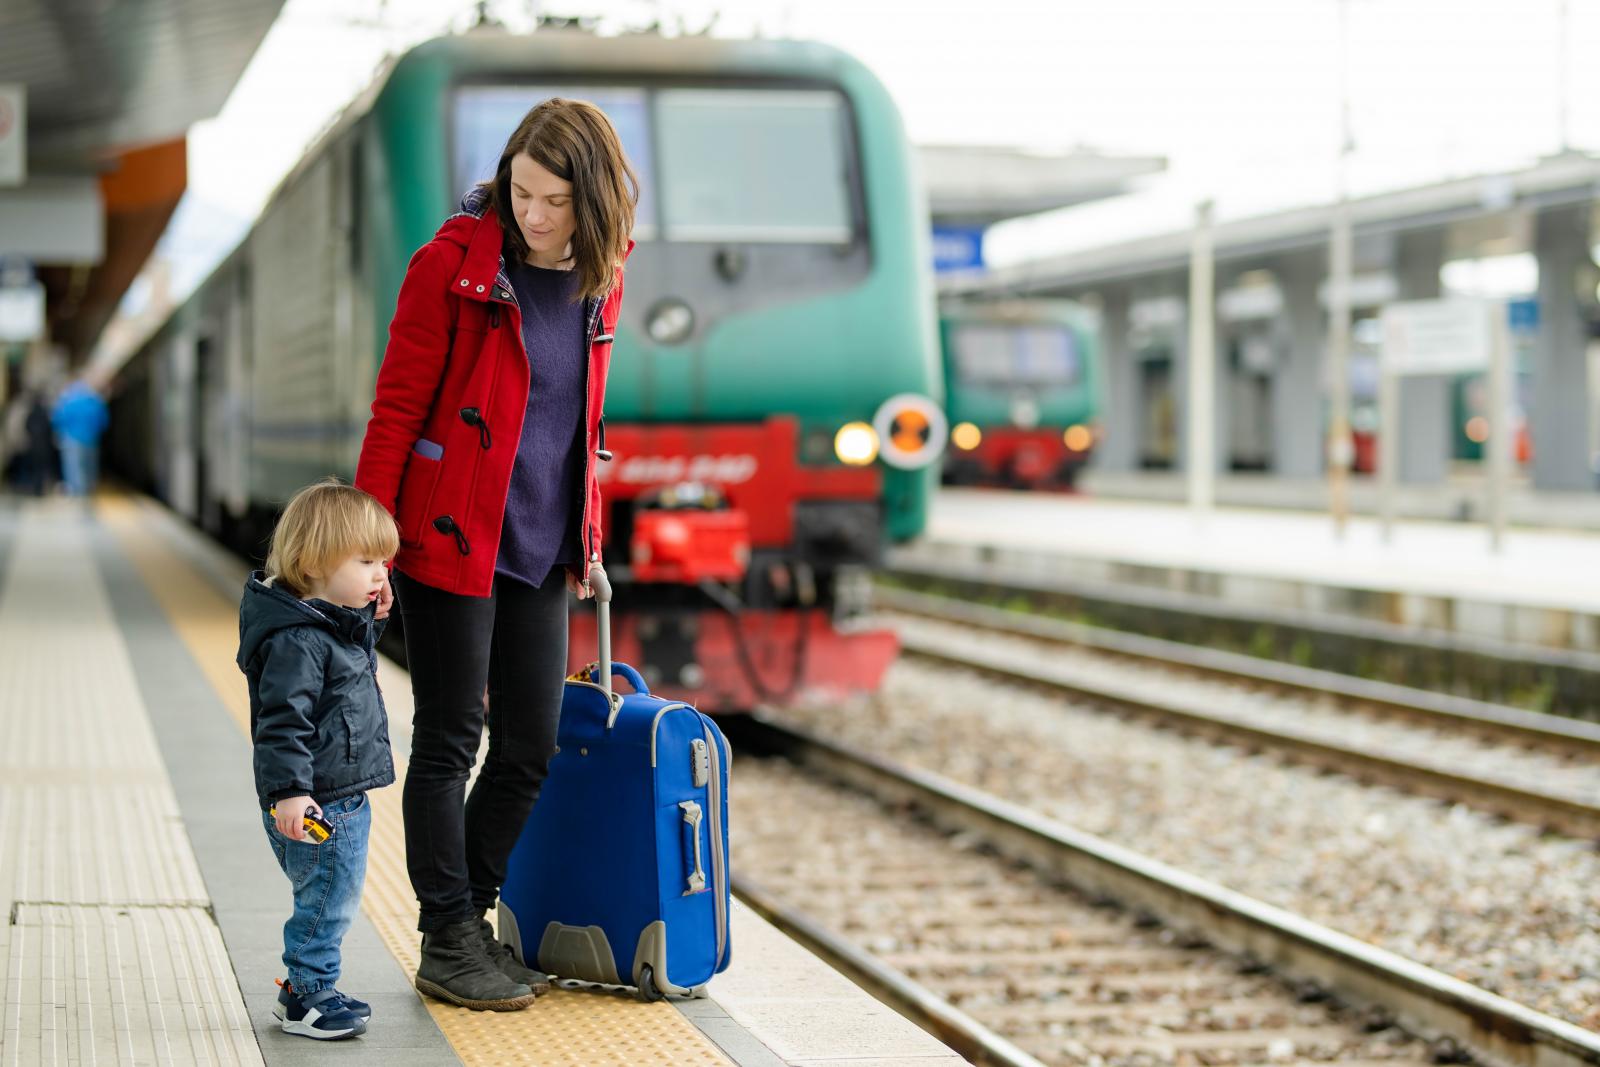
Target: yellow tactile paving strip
110, 954
579, 1028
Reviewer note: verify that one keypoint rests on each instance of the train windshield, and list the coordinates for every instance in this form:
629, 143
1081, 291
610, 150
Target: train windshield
486, 115
1004, 354
753, 165
734, 164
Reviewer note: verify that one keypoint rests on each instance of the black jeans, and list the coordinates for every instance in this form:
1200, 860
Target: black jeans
513, 641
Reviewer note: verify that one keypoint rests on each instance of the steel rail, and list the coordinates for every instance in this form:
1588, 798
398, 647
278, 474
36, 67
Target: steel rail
916, 1002
1425, 1002
1562, 813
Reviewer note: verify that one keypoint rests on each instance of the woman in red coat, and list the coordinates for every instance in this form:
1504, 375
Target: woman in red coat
483, 440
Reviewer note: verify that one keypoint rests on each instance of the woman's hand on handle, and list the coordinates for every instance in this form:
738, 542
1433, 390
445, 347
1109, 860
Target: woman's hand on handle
578, 586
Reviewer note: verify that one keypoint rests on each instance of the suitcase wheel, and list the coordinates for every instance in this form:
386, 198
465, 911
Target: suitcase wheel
647, 985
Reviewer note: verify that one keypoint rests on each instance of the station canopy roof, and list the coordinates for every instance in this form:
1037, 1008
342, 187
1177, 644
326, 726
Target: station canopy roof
978, 186
112, 88
1152, 233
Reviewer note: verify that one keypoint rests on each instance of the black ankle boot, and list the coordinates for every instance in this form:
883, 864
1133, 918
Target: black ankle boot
455, 968
501, 956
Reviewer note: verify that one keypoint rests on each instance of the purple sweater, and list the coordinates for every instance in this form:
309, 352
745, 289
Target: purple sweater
544, 504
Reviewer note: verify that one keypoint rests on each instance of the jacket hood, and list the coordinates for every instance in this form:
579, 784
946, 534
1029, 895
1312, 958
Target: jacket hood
266, 609
459, 228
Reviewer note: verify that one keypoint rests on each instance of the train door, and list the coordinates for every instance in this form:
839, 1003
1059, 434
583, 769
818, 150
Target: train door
233, 475
203, 417
180, 408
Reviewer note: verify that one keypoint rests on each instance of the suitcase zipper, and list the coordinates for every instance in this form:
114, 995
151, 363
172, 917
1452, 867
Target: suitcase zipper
719, 875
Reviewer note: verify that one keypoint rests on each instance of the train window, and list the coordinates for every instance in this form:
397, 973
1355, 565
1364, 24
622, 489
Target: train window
1006, 354
485, 116
754, 165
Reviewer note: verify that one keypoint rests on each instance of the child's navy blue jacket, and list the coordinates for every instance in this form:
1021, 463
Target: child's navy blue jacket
316, 715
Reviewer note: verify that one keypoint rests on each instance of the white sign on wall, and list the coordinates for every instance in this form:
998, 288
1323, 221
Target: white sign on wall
1436, 337
13, 134
21, 312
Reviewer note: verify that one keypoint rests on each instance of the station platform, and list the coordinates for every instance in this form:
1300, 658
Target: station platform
145, 910
1441, 576
1462, 496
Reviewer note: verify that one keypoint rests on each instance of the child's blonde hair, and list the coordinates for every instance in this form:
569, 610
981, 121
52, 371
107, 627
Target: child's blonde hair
322, 526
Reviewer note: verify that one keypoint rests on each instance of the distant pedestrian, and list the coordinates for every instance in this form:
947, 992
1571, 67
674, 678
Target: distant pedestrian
14, 439
79, 419
39, 469
308, 626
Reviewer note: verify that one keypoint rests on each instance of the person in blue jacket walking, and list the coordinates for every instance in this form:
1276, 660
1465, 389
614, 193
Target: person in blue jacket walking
79, 419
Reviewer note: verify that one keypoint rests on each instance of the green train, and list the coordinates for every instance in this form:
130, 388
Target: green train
775, 393
1023, 381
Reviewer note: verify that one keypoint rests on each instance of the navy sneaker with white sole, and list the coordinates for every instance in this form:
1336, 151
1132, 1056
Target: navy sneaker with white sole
323, 1015
360, 1007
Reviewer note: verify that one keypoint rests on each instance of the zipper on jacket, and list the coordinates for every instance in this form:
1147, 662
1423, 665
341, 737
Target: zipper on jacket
585, 538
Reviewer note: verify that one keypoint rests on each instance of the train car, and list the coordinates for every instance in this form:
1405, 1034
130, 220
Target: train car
1023, 385
775, 400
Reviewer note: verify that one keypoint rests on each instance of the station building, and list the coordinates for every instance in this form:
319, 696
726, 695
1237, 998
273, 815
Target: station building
1525, 236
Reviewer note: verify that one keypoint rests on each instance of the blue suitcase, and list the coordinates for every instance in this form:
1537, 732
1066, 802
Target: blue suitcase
621, 873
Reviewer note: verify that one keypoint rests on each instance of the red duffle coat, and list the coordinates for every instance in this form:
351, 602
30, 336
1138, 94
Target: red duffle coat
455, 377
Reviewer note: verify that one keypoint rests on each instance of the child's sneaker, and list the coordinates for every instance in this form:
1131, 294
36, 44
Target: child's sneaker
323, 1015
360, 1007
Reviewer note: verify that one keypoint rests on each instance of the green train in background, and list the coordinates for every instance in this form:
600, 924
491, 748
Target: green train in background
775, 396
1023, 385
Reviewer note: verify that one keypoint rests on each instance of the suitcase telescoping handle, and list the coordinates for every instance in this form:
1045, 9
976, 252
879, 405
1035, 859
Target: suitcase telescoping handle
601, 585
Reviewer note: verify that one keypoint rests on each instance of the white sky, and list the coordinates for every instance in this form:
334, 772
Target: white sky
1240, 95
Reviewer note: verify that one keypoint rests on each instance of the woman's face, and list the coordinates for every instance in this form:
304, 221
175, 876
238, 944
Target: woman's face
542, 204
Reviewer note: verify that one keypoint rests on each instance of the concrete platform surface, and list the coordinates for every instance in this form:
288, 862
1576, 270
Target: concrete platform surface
145, 908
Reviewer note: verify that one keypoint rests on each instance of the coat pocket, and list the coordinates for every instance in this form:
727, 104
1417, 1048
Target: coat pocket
416, 490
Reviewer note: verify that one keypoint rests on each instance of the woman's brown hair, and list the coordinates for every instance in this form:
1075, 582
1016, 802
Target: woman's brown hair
574, 140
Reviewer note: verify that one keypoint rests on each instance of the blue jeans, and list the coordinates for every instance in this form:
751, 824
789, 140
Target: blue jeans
327, 891
79, 466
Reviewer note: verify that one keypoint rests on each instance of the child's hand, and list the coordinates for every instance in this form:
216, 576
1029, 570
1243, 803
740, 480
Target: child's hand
385, 600
292, 814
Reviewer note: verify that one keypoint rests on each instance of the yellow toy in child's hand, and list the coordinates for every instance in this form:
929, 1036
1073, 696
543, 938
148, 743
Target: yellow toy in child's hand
317, 828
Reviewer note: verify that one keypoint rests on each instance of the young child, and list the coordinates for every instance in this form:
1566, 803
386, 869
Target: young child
307, 627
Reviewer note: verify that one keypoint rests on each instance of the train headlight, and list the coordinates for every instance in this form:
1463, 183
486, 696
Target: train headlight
669, 322
966, 436
1024, 412
856, 443
1078, 438
913, 430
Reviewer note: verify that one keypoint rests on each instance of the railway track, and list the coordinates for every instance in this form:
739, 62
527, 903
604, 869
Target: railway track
1538, 677
1534, 768
1023, 941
